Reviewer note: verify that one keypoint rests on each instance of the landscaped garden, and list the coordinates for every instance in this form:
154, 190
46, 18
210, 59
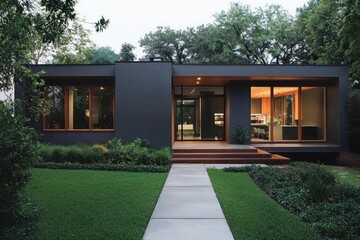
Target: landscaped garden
85, 204
311, 193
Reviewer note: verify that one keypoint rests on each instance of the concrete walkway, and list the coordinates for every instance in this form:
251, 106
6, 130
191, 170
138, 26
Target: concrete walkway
188, 208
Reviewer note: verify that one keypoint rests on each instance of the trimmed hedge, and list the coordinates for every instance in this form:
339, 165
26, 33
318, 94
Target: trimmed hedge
137, 152
104, 166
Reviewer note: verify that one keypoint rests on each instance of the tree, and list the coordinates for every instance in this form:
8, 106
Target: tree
22, 22
74, 46
321, 21
350, 34
263, 36
102, 55
209, 45
126, 53
168, 43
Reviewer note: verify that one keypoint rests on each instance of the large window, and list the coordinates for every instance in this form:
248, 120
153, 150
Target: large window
288, 114
79, 107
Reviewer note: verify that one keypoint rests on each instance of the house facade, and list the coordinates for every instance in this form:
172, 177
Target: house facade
284, 108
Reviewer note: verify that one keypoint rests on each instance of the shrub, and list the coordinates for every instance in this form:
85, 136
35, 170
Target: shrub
18, 217
162, 156
73, 153
241, 135
104, 166
309, 190
136, 152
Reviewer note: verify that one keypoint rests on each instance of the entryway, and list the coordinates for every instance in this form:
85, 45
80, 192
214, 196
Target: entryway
199, 113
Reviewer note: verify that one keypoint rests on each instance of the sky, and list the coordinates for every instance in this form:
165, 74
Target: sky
130, 20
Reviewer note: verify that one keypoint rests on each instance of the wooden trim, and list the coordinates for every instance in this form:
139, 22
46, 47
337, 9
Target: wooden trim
300, 115
272, 106
90, 107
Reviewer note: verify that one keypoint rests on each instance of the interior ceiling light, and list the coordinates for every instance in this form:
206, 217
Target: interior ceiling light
198, 78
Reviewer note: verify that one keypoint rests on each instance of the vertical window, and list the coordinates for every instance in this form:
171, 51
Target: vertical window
102, 106
79, 112
313, 113
54, 113
260, 113
285, 113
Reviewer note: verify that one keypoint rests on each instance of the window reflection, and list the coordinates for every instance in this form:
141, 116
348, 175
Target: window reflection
54, 114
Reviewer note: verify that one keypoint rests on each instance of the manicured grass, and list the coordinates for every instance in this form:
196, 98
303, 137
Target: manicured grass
85, 204
251, 213
346, 175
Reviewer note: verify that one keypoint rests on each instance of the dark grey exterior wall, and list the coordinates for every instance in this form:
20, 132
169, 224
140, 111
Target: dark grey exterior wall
143, 102
239, 105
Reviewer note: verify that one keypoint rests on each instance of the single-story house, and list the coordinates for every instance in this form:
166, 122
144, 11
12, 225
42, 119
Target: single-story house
285, 109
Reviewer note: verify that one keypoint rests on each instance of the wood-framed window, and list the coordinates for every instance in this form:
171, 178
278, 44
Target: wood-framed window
288, 114
79, 108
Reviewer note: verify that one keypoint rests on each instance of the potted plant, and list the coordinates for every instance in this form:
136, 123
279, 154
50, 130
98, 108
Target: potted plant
241, 135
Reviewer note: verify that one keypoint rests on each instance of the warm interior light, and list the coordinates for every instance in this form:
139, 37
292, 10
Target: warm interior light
197, 82
198, 78
101, 88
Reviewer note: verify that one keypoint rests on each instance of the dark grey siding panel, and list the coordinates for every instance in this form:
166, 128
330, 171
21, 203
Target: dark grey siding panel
258, 70
143, 102
76, 137
239, 101
89, 70
333, 114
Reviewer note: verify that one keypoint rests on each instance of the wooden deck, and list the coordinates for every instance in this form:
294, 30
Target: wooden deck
222, 152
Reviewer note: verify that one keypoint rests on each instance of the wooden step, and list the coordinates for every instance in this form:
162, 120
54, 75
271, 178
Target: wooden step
215, 150
221, 155
274, 159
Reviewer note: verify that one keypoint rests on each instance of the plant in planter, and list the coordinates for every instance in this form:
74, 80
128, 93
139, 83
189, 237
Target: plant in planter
241, 135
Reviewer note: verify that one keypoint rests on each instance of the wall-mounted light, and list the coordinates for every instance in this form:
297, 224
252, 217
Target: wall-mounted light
197, 82
87, 113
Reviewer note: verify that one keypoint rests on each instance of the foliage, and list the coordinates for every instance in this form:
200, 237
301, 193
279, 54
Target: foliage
124, 167
126, 53
74, 47
320, 21
252, 214
263, 36
83, 204
137, 152
102, 55
18, 216
168, 43
71, 153
241, 135
312, 192
350, 35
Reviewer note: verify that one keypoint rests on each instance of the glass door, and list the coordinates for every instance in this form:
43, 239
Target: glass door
200, 113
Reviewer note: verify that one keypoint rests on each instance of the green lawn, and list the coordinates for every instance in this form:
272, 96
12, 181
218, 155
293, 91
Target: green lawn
346, 175
251, 213
85, 204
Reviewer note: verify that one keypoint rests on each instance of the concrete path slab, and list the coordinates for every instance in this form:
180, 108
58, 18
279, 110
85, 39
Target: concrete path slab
184, 176
187, 207
185, 229
188, 202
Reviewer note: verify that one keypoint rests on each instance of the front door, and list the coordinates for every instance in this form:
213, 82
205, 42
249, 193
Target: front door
200, 113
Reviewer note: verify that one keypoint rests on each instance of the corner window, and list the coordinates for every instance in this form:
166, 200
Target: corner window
79, 108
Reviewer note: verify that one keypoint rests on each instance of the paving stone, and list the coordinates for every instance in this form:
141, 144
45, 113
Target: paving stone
188, 176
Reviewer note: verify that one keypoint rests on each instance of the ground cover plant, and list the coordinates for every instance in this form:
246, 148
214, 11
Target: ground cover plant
312, 192
251, 213
134, 156
94, 204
